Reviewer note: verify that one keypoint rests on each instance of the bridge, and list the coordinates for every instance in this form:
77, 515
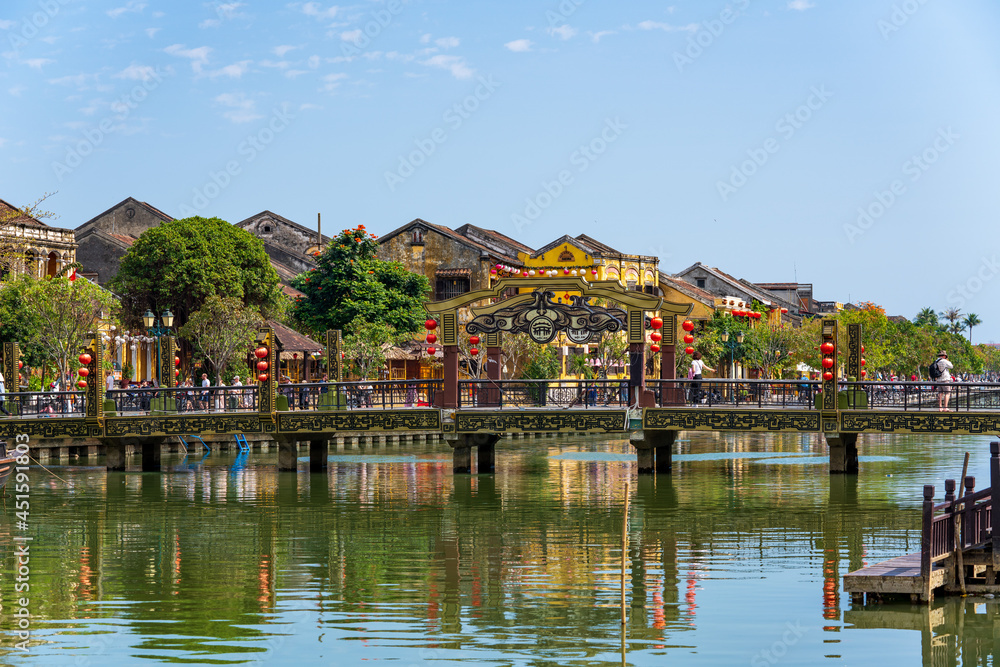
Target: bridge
477, 413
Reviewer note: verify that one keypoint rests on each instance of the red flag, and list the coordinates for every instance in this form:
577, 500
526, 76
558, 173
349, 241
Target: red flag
72, 276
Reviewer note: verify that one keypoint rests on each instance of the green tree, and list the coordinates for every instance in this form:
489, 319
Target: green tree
971, 320
611, 350
62, 313
221, 330
927, 317
350, 285
953, 315
181, 263
13, 245
365, 347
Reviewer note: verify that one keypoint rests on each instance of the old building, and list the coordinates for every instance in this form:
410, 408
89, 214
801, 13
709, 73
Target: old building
104, 239
28, 244
734, 294
287, 243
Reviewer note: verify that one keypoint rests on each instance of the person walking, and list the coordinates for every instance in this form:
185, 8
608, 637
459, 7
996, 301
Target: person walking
697, 366
939, 373
3, 395
205, 394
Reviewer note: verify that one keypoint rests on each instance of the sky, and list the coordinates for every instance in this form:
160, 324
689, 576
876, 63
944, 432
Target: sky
851, 144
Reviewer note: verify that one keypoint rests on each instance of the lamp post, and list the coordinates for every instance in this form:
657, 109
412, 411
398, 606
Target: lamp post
732, 345
157, 331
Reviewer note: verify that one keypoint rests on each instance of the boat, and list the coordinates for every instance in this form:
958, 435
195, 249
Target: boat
6, 463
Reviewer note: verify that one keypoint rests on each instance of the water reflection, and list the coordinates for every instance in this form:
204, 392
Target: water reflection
392, 557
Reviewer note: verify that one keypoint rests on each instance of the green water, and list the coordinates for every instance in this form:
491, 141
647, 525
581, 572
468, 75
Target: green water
735, 559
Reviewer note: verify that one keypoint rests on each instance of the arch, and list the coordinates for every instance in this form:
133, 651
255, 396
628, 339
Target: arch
52, 264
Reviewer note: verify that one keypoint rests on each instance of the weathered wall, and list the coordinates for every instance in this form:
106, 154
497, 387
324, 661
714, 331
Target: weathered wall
437, 252
101, 255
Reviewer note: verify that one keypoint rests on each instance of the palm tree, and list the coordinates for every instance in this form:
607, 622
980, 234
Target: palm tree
926, 317
971, 320
952, 315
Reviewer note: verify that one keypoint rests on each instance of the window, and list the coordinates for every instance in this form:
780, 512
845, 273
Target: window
447, 288
418, 236
267, 229
699, 282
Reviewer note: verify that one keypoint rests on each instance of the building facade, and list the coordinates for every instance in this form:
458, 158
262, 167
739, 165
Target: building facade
104, 239
29, 245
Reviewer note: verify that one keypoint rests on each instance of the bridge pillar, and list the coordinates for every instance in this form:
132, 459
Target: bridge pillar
663, 442
318, 453
487, 457
114, 454
151, 455
288, 452
654, 451
462, 452
843, 452
461, 458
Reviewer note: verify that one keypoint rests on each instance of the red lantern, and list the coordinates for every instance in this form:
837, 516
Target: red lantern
687, 325
262, 365
493, 272
473, 351
827, 348
784, 310
177, 373
524, 274
862, 349
431, 350
20, 364
656, 337
827, 362
177, 362
262, 377
431, 338
260, 352
85, 359
654, 348
593, 272
473, 340
828, 376
688, 338
83, 372
82, 384
863, 362
864, 373
431, 324
656, 323
689, 350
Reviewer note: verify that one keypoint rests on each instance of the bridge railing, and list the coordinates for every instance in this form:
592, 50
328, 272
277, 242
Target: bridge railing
542, 393
45, 403
924, 395
735, 393
147, 400
360, 395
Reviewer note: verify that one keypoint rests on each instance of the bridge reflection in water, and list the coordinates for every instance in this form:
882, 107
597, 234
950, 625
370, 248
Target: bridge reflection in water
383, 554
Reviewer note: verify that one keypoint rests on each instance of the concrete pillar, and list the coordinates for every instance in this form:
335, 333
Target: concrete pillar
645, 459
288, 452
151, 455
462, 459
486, 465
663, 443
654, 450
318, 453
114, 454
843, 452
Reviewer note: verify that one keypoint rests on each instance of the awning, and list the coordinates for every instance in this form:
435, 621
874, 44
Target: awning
453, 273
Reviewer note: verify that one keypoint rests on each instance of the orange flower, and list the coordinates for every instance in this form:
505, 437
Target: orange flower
361, 226
357, 239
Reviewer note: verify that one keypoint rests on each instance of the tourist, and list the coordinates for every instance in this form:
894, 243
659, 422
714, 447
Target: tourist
943, 380
110, 381
205, 394
697, 366
240, 402
3, 395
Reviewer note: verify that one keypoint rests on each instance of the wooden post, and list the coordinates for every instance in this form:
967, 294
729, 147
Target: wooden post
624, 549
995, 487
925, 541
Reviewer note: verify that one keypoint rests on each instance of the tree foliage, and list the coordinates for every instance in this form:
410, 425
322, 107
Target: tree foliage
180, 264
351, 286
364, 347
13, 246
221, 330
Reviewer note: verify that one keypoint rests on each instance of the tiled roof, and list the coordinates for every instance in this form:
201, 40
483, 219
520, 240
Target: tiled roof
502, 238
324, 239
127, 239
152, 209
21, 219
285, 272
685, 287
451, 234
291, 292
292, 341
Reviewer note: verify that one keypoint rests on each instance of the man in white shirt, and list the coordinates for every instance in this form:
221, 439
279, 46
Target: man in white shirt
110, 382
943, 381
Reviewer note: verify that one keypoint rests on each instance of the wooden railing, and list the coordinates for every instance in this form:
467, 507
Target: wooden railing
971, 514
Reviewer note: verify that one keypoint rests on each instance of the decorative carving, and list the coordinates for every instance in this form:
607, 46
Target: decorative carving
730, 420
334, 348
359, 420
116, 427
50, 428
542, 318
854, 351
547, 421
920, 422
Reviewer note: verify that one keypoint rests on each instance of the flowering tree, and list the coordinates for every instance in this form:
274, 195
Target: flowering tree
223, 328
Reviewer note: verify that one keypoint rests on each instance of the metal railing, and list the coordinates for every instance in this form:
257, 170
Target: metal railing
147, 400
45, 403
543, 393
361, 395
736, 393
962, 396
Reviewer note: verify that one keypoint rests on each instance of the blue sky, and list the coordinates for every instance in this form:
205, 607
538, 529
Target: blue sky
843, 143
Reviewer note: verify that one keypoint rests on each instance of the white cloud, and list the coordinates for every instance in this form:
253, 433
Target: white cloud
313, 61
136, 73
309, 107
425, 38
6, 25
225, 11
563, 32
351, 35
666, 27
280, 64
234, 71
280, 51
38, 63
210, 23
197, 56
241, 109
800, 5
151, 32
332, 81
519, 45
78, 80
316, 10
447, 42
455, 64
2, 142
596, 36
16, 90
293, 73
132, 6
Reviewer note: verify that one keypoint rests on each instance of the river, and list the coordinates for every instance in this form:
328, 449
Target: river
735, 559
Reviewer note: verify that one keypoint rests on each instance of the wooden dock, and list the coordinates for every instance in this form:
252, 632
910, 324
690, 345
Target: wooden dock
898, 576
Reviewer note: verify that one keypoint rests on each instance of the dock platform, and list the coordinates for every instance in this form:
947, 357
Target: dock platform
898, 576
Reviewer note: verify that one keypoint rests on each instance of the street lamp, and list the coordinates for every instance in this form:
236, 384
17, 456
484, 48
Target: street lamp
731, 346
156, 331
